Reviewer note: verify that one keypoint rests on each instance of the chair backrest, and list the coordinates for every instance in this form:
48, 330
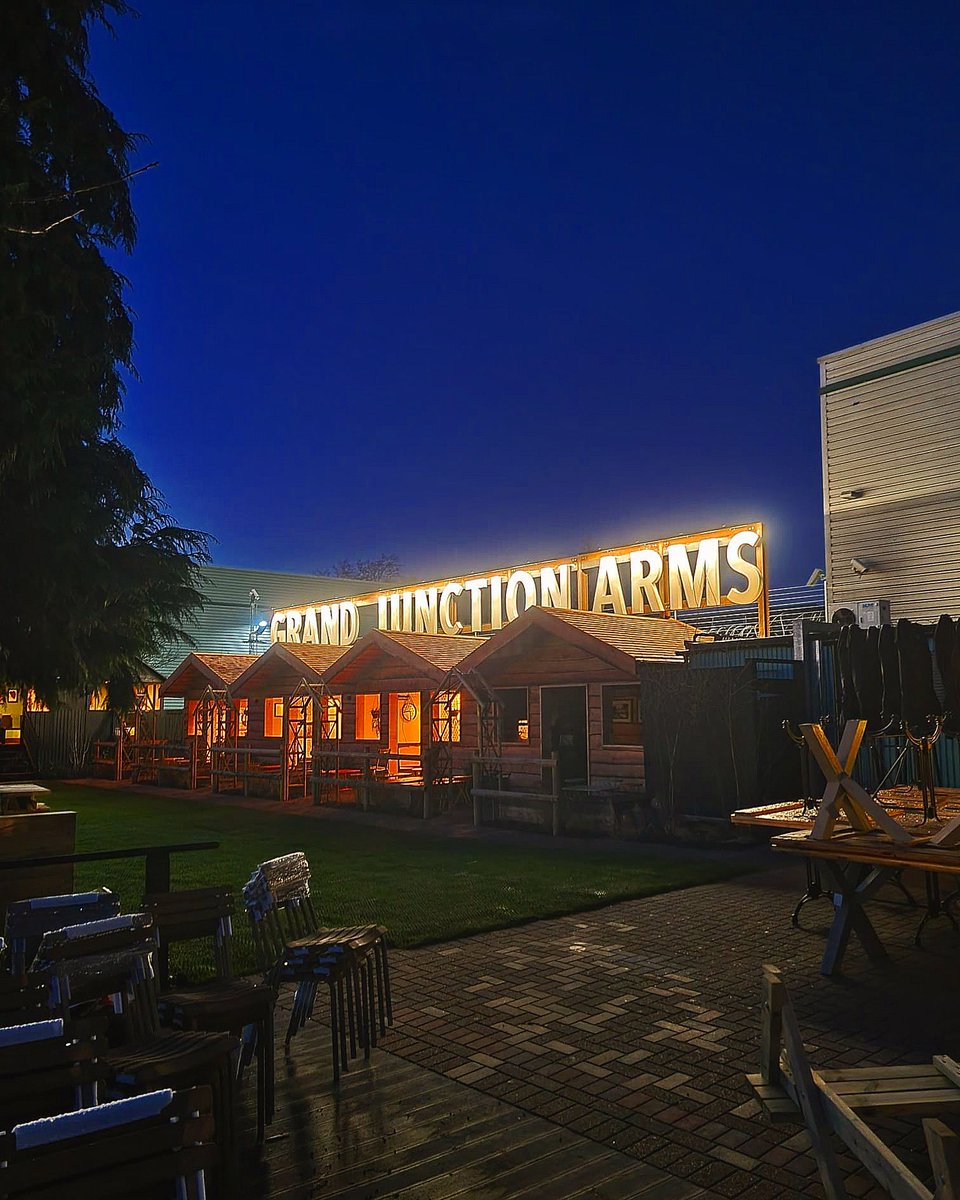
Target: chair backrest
28, 920
49, 1067
160, 1143
197, 913
114, 957
278, 903
22, 998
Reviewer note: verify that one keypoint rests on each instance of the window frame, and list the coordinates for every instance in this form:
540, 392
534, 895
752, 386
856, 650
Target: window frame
635, 688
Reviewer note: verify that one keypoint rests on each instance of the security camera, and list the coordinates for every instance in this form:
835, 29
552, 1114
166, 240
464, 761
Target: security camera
254, 596
815, 577
858, 566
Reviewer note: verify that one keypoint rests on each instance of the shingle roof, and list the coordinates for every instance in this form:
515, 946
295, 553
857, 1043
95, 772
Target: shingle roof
227, 667
439, 649
317, 658
648, 638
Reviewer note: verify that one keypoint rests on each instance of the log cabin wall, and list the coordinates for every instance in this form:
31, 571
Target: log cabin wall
541, 660
624, 764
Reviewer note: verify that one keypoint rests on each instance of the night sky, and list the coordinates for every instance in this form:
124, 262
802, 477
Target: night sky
480, 282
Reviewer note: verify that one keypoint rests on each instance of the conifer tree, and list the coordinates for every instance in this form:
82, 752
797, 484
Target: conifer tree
94, 575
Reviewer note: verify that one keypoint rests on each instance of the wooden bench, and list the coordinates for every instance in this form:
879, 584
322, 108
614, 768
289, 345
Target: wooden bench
836, 1102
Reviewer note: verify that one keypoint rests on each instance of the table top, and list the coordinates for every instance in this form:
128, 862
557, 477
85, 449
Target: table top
905, 804
23, 789
874, 848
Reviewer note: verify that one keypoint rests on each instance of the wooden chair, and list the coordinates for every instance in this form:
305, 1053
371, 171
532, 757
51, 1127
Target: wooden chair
49, 1067
116, 957
288, 881
292, 947
28, 920
225, 1004
836, 1102
157, 1146
22, 999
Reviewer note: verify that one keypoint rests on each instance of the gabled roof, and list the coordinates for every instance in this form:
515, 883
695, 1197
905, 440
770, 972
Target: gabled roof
200, 671
431, 655
290, 660
623, 641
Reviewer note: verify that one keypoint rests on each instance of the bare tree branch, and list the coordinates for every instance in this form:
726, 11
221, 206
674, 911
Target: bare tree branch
94, 187
39, 232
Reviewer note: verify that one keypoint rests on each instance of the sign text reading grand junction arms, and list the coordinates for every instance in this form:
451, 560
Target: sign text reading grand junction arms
724, 566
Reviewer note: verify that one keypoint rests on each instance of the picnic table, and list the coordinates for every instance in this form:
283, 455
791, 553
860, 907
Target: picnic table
859, 864
21, 798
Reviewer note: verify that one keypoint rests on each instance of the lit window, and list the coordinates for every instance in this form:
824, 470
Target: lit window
621, 715
368, 718
147, 696
331, 725
98, 700
192, 708
273, 716
446, 718
34, 705
513, 714
241, 718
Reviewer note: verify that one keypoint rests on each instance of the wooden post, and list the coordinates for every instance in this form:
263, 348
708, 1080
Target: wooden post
476, 788
771, 1027
943, 1146
365, 784
555, 767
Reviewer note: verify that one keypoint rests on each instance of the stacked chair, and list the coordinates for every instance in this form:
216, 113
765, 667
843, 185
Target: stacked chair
156, 1144
293, 947
29, 920
115, 957
225, 1004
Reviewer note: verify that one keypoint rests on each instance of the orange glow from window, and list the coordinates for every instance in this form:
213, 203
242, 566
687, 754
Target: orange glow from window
241, 718
98, 700
368, 718
273, 716
34, 705
446, 719
331, 724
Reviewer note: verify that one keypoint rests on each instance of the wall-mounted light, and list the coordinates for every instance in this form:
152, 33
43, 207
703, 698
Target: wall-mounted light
858, 566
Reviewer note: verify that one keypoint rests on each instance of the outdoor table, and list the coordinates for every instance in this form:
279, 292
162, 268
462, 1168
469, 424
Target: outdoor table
20, 797
858, 865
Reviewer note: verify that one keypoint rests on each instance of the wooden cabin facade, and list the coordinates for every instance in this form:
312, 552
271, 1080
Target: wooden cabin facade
211, 719
566, 691
406, 724
287, 709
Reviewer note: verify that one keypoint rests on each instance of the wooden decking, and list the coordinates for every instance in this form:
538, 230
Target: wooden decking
395, 1129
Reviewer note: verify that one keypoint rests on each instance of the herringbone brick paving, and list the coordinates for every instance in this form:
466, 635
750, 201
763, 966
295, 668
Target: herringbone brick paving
635, 1024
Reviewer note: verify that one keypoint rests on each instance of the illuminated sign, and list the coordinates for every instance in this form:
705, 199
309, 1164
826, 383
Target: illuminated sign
706, 570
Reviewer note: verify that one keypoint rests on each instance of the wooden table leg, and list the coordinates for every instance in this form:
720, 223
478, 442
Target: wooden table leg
852, 889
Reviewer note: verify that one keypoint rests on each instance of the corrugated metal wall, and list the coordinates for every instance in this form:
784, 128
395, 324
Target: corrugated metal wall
895, 438
224, 625
786, 606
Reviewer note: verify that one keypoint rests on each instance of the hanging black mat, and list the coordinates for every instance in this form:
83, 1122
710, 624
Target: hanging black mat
849, 700
946, 644
865, 663
890, 673
920, 700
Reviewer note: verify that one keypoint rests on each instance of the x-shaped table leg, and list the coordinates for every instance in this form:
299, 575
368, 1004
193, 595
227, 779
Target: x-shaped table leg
852, 888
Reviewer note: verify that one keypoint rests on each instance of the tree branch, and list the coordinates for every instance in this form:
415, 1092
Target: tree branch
94, 187
39, 232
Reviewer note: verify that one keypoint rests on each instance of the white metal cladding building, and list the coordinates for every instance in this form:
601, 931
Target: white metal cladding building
229, 620
890, 412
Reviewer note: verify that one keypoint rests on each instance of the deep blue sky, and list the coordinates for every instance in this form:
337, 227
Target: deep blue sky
476, 282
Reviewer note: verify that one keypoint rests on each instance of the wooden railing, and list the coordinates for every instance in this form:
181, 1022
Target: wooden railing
240, 764
373, 770
485, 768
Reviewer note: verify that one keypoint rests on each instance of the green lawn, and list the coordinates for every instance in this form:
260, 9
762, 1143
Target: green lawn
422, 888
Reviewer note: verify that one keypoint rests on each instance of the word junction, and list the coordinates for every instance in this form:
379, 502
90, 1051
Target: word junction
705, 570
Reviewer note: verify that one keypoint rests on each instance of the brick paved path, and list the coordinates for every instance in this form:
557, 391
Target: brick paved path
635, 1024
